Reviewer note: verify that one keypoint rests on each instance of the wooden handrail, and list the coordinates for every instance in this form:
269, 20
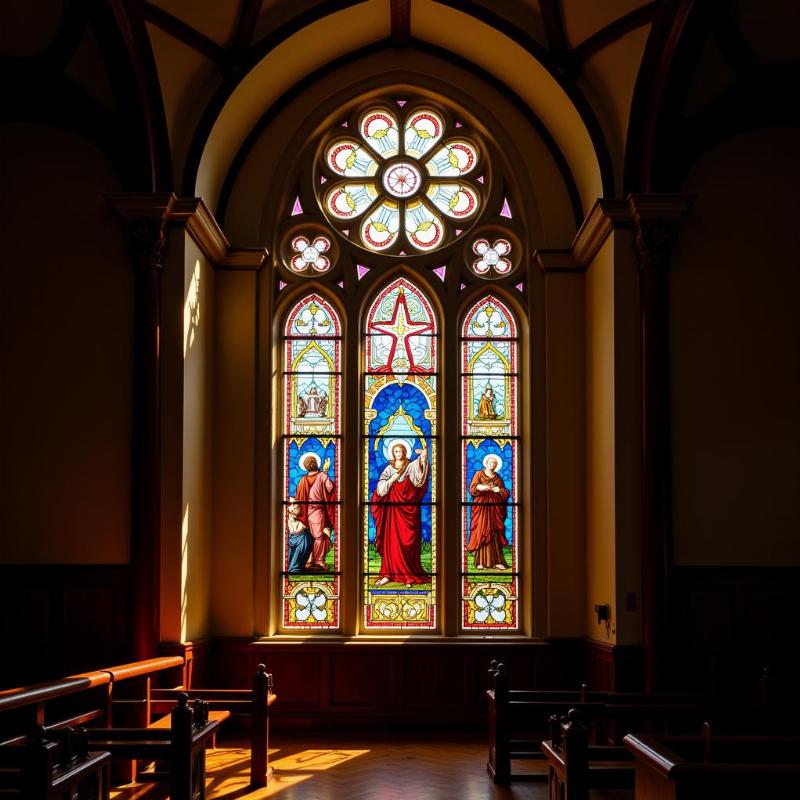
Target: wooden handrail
41, 692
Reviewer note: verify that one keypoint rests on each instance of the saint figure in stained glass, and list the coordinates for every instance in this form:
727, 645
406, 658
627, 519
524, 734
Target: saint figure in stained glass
487, 529
397, 515
315, 494
486, 404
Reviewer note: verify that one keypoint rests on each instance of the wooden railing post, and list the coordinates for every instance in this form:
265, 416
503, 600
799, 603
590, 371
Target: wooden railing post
181, 736
499, 765
259, 762
576, 756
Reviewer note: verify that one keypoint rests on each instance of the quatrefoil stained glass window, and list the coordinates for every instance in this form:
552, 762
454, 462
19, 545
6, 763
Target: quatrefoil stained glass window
400, 181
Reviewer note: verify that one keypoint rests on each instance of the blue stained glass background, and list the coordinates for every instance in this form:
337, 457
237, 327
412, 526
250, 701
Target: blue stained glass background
311, 445
386, 403
474, 462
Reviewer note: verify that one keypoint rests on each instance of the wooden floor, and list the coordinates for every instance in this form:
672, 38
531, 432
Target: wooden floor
400, 768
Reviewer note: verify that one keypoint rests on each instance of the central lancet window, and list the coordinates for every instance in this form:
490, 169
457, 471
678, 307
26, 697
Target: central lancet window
400, 459
406, 183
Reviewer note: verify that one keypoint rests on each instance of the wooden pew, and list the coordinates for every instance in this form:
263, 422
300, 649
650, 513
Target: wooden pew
575, 767
223, 703
181, 747
610, 715
41, 769
730, 767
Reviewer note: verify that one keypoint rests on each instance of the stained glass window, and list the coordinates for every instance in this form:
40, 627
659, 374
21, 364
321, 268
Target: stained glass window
310, 575
490, 485
400, 460
412, 182
408, 191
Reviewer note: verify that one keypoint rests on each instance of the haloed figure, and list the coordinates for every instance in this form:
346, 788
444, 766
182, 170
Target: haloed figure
398, 518
487, 536
314, 496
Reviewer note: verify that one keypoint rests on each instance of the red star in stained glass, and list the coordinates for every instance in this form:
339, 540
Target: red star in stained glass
401, 328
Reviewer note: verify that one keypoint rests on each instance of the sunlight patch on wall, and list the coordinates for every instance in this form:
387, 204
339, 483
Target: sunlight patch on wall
191, 310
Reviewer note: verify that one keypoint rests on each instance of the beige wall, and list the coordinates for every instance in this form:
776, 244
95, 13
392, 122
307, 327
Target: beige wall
66, 321
198, 399
235, 444
600, 439
735, 356
566, 430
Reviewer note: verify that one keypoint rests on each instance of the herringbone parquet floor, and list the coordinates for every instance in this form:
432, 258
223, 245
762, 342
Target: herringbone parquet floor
358, 768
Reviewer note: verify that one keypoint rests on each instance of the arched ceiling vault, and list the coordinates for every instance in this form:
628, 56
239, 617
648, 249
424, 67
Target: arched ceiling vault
534, 47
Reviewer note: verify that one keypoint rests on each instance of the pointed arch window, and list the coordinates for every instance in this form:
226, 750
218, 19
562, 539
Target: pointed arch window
490, 439
310, 576
400, 493
394, 214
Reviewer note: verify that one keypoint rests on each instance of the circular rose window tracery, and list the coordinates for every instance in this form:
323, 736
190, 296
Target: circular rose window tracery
403, 183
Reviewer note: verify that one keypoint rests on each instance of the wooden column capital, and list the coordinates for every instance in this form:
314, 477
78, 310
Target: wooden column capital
145, 217
655, 219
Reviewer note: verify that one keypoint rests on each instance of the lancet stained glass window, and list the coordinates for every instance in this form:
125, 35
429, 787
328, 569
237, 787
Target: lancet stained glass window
311, 457
400, 460
490, 506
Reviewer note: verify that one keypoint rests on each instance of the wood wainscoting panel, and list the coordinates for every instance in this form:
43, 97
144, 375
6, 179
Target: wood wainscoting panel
366, 679
339, 684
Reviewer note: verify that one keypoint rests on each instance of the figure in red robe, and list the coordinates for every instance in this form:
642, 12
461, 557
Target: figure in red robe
487, 536
315, 492
398, 517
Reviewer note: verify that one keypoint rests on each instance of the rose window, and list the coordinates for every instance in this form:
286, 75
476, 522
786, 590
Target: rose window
399, 182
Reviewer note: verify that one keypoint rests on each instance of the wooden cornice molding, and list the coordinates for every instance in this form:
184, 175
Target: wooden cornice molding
600, 221
557, 261
193, 214
244, 258
662, 207
142, 206
636, 211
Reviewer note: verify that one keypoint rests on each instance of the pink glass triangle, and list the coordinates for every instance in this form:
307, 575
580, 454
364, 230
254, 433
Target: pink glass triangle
458, 232
506, 210
402, 253
459, 125
362, 270
401, 103
346, 232
322, 179
297, 208
521, 287
440, 272
480, 178
344, 124
463, 286
341, 284
281, 285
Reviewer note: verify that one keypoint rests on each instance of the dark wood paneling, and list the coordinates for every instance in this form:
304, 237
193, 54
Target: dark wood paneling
727, 623
366, 680
613, 668
433, 684
58, 620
